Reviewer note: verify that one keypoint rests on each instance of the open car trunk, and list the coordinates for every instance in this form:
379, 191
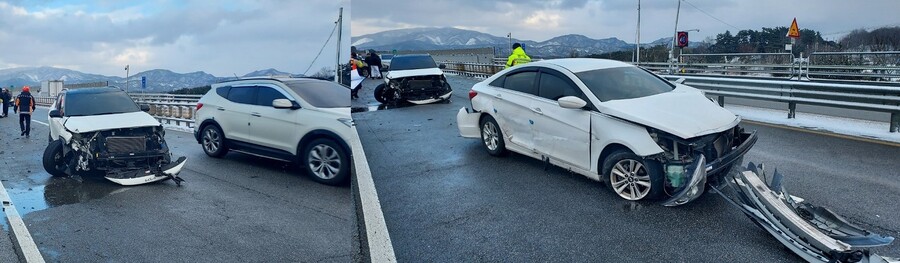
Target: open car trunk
814, 233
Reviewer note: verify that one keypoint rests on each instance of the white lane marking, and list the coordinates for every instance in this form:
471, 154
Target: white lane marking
45, 124
380, 247
24, 245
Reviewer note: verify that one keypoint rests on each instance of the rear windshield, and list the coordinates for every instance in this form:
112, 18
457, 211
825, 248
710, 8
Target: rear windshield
623, 83
412, 62
85, 104
321, 94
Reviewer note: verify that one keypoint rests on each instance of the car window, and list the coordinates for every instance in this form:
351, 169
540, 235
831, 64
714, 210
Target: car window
223, 91
265, 96
99, 103
245, 95
412, 62
553, 87
498, 82
321, 94
623, 83
521, 82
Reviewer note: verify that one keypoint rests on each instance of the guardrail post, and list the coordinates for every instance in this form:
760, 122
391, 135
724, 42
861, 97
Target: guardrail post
722, 101
792, 110
895, 121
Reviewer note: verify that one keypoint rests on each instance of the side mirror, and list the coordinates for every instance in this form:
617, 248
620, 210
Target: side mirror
283, 104
145, 107
55, 114
442, 66
571, 102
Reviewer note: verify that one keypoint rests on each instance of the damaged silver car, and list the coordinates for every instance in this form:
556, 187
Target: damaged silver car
103, 129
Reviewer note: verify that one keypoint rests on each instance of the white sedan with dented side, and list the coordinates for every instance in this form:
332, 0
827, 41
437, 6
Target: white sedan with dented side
646, 137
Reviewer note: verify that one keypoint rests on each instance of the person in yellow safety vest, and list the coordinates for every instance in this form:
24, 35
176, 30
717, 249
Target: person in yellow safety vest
518, 56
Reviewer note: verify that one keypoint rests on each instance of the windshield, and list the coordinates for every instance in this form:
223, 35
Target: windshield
85, 104
321, 94
412, 62
623, 83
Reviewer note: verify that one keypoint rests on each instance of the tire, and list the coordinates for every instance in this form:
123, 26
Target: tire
326, 162
212, 140
53, 156
492, 136
646, 182
379, 94
49, 138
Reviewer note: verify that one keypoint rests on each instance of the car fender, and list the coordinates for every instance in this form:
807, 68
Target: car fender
607, 130
322, 133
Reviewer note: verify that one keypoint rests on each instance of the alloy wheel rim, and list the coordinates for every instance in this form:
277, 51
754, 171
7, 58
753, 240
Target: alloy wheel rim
324, 161
489, 135
211, 141
629, 179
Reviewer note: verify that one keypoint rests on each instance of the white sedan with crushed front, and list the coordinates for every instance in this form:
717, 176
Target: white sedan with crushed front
646, 137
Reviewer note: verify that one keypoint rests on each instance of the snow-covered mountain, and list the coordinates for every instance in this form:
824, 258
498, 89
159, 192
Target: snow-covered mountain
158, 80
429, 38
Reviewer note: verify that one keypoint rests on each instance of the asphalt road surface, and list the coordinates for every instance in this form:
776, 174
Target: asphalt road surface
236, 209
446, 200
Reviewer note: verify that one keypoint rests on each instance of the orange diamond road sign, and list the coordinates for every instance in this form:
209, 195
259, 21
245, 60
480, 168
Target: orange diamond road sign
794, 31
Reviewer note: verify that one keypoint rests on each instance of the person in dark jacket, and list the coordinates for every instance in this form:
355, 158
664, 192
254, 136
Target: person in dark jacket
374, 62
25, 106
7, 100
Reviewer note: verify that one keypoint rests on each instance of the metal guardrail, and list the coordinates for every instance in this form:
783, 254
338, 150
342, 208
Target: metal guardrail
166, 108
848, 95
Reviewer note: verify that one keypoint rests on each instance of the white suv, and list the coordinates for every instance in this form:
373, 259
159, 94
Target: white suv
288, 119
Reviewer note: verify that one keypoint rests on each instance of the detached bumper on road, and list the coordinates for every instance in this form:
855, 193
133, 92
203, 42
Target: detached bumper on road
139, 177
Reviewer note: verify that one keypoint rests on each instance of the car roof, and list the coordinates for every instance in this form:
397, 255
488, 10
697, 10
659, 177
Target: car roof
291, 79
93, 90
412, 55
577, 65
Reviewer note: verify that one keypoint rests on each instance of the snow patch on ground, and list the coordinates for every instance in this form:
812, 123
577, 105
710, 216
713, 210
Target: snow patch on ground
180, 128
839, 125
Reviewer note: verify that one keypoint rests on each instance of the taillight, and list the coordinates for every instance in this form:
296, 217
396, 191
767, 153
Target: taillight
472, 94
199, 105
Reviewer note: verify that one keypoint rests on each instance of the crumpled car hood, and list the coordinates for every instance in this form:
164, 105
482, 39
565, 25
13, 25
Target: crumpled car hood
396, 74
81, 124
683, 112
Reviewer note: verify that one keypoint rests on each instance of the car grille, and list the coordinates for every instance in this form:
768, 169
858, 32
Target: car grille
123, 144
420, 84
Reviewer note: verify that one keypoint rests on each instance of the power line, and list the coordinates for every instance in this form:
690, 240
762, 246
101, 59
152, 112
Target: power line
321, 49
709, 15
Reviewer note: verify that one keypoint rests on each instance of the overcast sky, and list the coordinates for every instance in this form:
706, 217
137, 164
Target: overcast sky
543, 19
218, 37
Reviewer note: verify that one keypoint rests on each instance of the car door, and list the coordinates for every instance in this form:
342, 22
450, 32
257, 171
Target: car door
560, 133
235, 114
512, 107
271, 127
56, 127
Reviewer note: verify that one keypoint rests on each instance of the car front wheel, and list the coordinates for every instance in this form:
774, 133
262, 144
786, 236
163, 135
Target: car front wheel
632, 177
326, 161
53, 159
492, 136
213, 141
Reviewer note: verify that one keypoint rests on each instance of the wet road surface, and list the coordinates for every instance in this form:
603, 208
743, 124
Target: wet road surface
446, 200
236, 209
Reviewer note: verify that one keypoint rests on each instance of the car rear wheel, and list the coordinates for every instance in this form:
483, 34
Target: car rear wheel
53, 159
326, 161
492, 136
632, 177
213, 141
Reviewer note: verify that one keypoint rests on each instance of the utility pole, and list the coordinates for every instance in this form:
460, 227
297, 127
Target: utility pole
509, 42
340, 25
126, 78
637, 45
674, 38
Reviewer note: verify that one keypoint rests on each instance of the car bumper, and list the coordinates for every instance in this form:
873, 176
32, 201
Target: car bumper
700, 170
467, 123
148, 176
432, 100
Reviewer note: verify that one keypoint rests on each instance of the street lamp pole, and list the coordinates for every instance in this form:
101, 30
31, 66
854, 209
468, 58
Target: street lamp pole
674, 38
126, 78
340, 25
